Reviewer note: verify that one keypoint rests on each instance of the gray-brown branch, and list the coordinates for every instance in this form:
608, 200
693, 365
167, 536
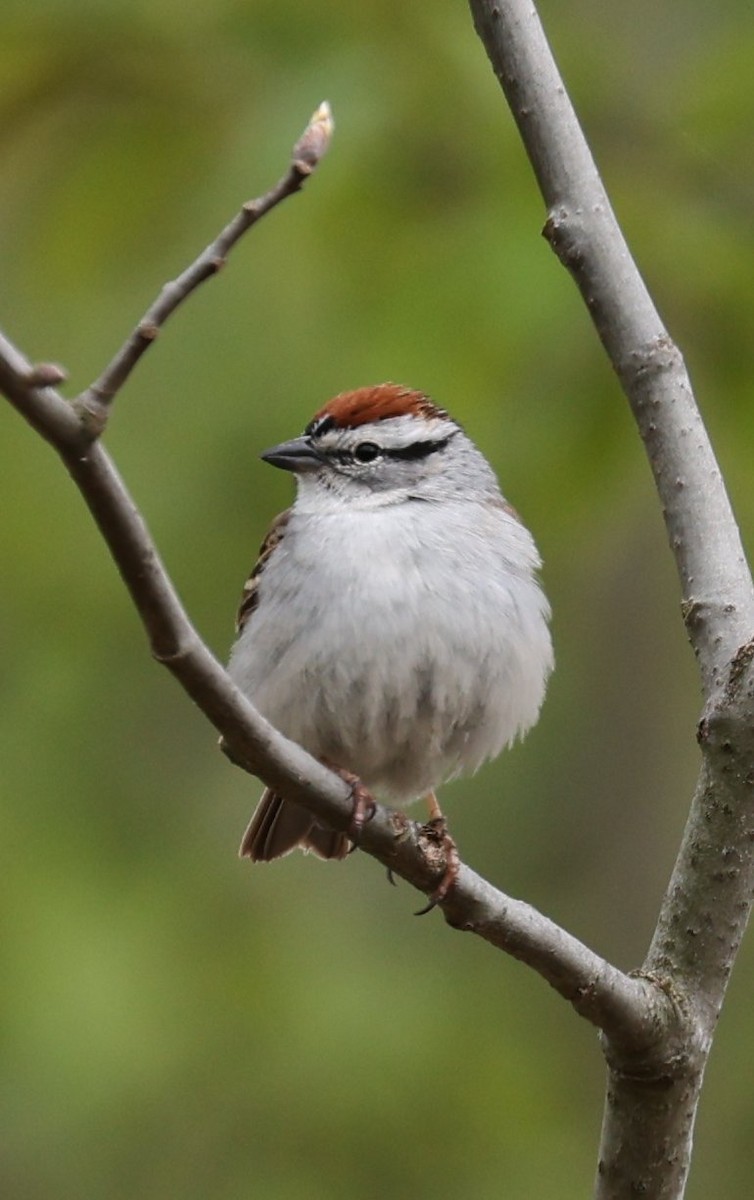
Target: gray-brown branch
632, 1011
651, 1099
629, 1009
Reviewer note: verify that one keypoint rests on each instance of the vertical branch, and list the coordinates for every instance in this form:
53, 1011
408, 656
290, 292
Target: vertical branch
582, 228
652, 1097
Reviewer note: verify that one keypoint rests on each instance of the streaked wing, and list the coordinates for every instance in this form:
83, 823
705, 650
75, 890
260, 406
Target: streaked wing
277, 826
250, 594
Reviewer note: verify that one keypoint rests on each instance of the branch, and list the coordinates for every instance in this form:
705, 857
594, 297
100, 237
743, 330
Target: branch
95, 401
581, 226
651, 1102
631, 1010
634, 1011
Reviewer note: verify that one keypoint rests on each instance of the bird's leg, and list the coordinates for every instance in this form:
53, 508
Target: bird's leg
437, 829
363, 806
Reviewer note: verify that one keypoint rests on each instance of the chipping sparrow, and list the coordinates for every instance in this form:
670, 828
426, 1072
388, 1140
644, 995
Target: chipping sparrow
393, 624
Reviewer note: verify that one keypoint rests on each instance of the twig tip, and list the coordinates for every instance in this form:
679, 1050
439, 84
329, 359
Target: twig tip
315, 140
324, 113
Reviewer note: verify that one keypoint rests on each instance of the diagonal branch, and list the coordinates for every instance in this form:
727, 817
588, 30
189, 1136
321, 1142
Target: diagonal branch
634, 1011
631, 1010
95, 401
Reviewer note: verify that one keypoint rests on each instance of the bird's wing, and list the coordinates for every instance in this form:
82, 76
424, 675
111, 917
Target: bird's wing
250, 593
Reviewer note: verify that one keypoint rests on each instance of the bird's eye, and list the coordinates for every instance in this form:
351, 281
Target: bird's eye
366, 452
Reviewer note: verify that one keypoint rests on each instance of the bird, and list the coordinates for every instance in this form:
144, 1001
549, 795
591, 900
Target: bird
394, 624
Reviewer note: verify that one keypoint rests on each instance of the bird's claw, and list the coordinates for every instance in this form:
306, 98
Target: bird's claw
363, 806
436, 830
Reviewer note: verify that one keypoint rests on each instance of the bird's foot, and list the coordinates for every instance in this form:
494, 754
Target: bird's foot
363, 806
436, 831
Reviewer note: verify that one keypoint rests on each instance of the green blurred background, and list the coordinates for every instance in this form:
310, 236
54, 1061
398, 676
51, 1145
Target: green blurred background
173, 1022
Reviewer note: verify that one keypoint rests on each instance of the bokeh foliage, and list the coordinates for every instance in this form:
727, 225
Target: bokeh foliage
173, 1023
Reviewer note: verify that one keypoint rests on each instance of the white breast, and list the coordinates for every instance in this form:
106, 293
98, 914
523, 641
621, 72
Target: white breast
405, 643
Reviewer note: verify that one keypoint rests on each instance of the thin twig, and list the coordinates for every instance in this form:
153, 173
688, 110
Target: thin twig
94, 403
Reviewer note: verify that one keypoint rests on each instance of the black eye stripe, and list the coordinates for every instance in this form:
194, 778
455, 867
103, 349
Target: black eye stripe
416, 450
412, 453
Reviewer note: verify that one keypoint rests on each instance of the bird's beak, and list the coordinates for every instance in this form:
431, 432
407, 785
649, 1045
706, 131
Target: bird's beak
296, 455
